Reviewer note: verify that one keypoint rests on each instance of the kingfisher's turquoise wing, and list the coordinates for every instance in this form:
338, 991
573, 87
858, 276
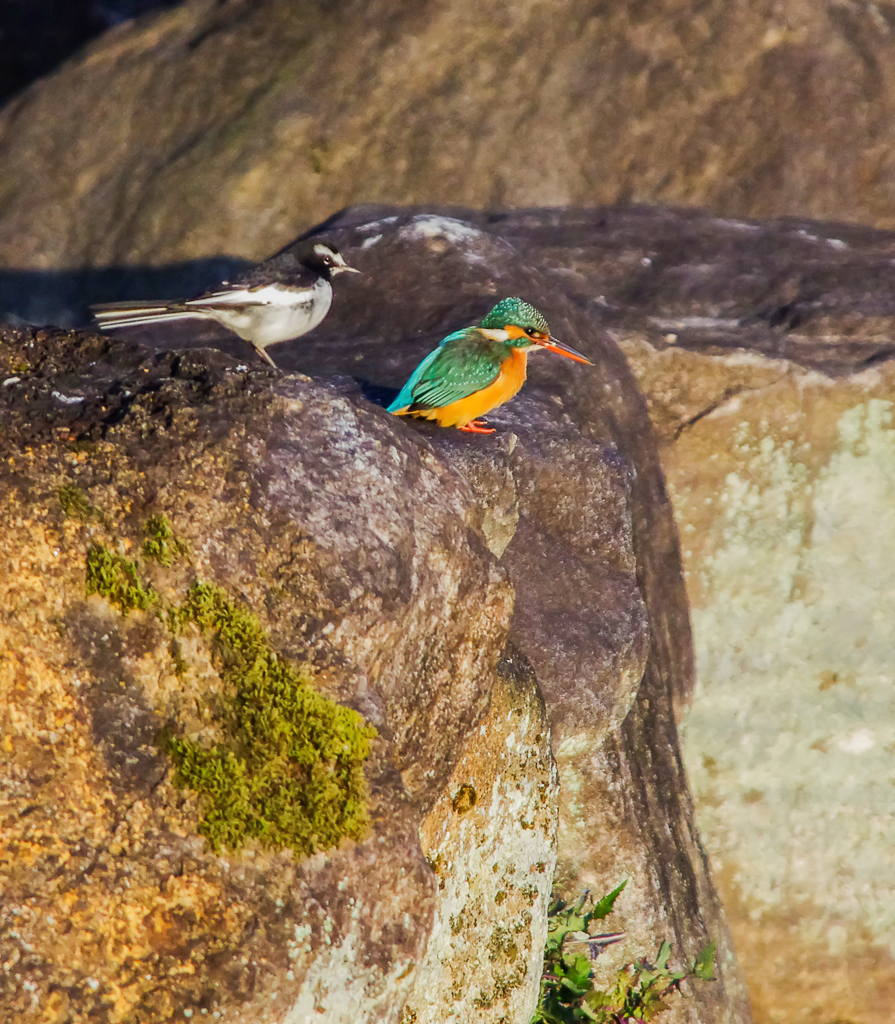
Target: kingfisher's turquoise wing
463, 364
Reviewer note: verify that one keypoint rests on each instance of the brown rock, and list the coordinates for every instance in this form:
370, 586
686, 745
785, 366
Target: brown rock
228, 127
38, 35
353, 549
295, 502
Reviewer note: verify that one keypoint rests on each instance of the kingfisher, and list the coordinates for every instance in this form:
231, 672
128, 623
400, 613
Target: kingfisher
479, 368
278, 300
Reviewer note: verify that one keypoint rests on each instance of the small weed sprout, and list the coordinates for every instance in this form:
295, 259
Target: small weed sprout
568, 995
74, 502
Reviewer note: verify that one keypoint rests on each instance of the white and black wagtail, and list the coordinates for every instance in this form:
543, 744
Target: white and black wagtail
280, 299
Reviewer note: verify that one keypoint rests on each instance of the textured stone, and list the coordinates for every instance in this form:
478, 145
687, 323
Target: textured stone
765, 355
571, 495
480, 963
227, 127
784, 493
293, 500
352, 557
39, 34
763, 351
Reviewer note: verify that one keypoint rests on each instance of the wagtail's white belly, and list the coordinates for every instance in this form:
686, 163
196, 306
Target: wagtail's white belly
269, 315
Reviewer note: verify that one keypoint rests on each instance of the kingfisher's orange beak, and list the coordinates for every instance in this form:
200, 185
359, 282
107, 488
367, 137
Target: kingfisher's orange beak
555, 345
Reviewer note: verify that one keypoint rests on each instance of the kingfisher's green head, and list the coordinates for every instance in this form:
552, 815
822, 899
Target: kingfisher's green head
518, 325
524, 325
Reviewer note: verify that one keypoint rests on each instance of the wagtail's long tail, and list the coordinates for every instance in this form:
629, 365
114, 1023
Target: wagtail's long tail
133, 314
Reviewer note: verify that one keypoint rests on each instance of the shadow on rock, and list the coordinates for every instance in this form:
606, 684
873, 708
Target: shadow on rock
62, 297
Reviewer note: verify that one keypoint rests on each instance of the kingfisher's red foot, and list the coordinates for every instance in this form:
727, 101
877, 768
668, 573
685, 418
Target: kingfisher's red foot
477, 427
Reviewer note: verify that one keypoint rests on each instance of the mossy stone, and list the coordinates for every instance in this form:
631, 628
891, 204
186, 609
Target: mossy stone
161, 543
290, 772
115, 578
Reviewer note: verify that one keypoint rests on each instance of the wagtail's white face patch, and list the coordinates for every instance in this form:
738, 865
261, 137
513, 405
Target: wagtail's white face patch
332, 259
325, 253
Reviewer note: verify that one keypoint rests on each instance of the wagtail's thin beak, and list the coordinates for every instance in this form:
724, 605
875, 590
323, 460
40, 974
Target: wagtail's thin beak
555, 345
339, 266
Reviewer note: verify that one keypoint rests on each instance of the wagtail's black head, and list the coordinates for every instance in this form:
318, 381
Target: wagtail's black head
326, 259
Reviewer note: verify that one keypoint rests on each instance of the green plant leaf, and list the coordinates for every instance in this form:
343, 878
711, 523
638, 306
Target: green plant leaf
604, 907
641, 989
662, 958
704, 965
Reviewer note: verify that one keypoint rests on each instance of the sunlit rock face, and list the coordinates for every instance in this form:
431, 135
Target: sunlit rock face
291, 501
434, 582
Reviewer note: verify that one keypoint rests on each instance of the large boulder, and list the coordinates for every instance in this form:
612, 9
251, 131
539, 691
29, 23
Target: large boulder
353, 551
574, 503
764, 353
784, 488
227, 127
384, 555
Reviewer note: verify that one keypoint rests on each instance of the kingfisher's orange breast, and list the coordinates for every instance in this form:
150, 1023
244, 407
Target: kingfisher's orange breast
508, 382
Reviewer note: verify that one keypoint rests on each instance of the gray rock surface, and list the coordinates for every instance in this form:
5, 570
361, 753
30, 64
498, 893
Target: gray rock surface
764, 351
294, 481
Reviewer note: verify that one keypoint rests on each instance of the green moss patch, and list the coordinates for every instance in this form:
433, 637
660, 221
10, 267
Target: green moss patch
161, 543
290, 773
115, 578
74, 502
